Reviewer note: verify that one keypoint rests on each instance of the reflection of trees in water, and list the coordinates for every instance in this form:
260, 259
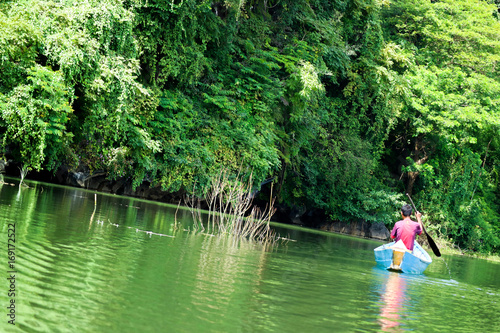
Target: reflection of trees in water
393, 300
225, 264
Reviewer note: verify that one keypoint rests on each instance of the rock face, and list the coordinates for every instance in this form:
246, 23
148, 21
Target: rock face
316, 218
376, 230
3, 165
97, 181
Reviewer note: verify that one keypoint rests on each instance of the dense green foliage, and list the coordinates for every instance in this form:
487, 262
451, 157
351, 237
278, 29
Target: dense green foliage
449, 128
348, 104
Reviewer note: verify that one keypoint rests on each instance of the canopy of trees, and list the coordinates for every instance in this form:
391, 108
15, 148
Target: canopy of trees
347, 103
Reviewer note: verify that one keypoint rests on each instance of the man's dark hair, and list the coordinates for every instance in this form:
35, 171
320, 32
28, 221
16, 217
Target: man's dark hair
406, 210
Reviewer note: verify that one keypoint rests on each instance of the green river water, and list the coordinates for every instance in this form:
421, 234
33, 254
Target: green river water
121, 266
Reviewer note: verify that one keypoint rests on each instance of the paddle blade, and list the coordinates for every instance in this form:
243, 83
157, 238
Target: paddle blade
433, 245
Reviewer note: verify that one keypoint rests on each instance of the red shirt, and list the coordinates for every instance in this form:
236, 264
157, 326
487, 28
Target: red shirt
406, 231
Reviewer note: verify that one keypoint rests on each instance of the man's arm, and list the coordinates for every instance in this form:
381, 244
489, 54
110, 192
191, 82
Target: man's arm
419, 220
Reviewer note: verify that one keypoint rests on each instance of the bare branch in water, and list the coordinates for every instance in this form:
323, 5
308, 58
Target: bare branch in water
24, 172
230, 211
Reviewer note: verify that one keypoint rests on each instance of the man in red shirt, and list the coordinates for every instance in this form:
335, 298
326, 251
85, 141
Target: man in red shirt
406, 229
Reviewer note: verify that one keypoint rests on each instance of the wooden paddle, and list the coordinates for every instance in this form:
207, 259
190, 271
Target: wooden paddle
429, 238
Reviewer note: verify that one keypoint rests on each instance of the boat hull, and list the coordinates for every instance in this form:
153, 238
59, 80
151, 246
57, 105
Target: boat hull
412, 263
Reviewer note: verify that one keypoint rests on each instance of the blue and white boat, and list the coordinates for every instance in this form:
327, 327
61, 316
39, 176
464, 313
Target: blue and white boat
404, 260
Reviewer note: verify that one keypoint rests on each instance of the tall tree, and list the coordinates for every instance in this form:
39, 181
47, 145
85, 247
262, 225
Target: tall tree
451, 115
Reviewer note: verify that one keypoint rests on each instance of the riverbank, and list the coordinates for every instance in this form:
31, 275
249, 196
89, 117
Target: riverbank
448, 248
311, 219
98, 181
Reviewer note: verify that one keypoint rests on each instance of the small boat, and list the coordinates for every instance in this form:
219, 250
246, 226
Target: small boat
395, 257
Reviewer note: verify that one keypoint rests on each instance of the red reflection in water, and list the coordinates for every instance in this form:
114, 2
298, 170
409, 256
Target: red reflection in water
393, 302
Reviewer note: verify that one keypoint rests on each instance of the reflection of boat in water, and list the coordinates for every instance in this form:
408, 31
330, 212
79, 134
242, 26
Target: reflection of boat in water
393, 300
391, 256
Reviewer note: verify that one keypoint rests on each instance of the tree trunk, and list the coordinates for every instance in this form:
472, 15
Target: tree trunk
420, 157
